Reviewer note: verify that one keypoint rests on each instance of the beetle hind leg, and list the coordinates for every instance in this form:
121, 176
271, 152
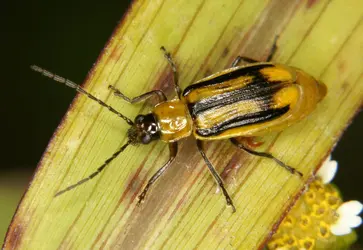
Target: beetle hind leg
266, 155
243, 59
273, 50
246, 60
216, 176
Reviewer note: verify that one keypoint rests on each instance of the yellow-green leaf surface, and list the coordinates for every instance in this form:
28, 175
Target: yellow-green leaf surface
184, 210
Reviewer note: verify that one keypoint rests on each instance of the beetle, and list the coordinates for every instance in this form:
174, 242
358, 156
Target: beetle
241, 101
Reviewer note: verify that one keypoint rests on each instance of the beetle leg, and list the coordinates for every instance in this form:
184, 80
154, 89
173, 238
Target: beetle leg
250, 60
266, 155
160, 94
242, 58
273, 49
173, 148
175, 72
215, 175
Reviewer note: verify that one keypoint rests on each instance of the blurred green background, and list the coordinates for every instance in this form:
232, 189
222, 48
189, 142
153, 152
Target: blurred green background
66, 37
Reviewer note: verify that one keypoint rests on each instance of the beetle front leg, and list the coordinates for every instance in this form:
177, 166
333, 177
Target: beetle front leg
266, 155
175, 73
173, 148
216, 176
160, 94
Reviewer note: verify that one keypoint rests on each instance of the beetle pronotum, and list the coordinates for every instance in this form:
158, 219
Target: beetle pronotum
241, 101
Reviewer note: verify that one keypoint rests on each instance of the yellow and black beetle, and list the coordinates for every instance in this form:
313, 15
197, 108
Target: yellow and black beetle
242, 101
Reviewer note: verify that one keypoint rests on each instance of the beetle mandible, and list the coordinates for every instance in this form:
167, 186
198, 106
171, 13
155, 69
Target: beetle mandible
241, 101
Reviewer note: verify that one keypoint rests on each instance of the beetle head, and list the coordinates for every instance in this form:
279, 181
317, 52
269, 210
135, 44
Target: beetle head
144, 130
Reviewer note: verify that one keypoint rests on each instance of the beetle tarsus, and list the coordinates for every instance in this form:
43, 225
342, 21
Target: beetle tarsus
287, 167
173, 150
267, 155
141, 198
273, 49
294, 171
230, 203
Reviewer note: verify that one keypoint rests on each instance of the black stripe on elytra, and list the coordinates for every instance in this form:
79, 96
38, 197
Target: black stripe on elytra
259, 91
243, 120
245, 71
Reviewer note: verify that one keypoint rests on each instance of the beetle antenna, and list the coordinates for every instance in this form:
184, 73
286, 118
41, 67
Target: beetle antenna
99, 170
78, 89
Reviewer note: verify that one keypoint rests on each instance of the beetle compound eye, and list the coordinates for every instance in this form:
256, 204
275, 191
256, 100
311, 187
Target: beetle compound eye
139, 119
146, 139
